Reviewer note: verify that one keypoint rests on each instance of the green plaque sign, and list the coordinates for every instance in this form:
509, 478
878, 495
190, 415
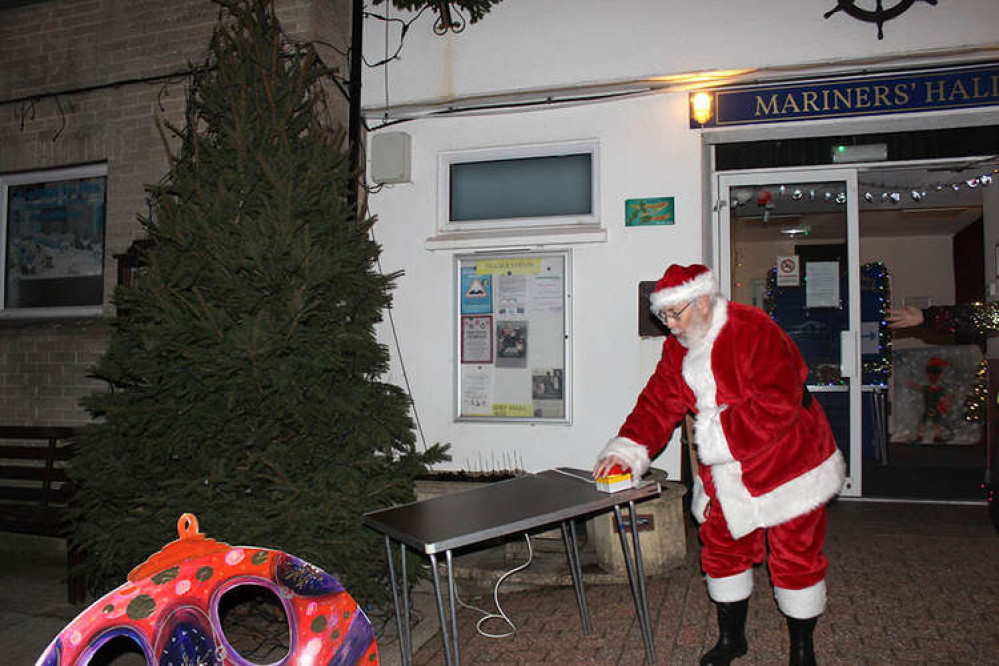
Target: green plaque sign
648, 212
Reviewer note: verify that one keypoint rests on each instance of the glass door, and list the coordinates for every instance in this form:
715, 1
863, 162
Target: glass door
788, 243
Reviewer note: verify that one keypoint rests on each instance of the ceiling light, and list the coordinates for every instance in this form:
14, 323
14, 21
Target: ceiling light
796, 230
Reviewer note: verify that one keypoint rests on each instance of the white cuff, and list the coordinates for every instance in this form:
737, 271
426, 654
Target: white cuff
699, 502
802, 604
632, 453
730, 588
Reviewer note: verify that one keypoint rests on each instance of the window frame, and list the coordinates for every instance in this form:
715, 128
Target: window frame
513, 226
9, 180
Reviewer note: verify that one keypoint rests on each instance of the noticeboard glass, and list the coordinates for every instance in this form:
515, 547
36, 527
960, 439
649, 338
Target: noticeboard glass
512, 337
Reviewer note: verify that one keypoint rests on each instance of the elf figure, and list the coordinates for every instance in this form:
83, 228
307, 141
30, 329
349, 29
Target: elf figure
936, 400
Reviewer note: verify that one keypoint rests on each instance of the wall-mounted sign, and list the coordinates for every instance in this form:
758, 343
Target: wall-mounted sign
928, 90
788, 271
648, 212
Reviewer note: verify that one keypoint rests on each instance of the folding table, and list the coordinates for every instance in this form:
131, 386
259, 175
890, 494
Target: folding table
518, 505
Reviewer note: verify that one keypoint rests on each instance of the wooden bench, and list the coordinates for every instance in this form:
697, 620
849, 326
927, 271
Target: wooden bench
34, 488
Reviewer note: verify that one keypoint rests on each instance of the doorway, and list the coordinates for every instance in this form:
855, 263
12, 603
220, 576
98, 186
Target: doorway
928, 225
826, 252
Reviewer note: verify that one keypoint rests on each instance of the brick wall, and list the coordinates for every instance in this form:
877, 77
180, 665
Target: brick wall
70, 94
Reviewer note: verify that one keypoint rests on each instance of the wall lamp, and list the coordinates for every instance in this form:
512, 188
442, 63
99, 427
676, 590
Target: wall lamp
701, 107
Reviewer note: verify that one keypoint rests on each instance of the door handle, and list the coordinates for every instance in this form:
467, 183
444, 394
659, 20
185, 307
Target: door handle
849, 362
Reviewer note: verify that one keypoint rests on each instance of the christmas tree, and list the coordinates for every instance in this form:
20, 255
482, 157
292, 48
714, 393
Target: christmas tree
243, 368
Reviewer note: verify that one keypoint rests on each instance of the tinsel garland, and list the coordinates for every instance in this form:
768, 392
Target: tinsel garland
974, 404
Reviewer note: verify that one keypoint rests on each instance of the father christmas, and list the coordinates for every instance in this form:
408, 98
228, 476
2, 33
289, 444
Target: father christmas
768, 461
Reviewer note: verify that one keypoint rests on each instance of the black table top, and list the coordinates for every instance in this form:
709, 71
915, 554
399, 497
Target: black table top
499, 509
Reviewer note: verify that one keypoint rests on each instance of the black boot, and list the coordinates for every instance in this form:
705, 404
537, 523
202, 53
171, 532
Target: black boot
731, 634
802, 649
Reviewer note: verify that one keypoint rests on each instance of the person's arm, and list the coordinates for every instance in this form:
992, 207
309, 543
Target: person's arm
967, 321
904, 317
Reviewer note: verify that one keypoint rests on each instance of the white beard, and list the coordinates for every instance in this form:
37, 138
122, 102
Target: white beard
695, 334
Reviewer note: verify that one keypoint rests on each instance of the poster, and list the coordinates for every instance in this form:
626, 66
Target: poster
511, 344
476, 292
822, 284
477, 339
476, 391
55, 243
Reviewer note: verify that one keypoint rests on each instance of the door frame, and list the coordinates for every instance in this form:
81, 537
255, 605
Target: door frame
850, 363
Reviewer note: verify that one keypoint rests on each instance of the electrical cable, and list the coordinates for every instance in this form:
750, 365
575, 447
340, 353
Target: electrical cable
575, 476
500, 614
398, 347
402, 34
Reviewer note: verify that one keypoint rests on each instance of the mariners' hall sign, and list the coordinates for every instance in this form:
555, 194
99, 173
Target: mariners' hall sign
932, 90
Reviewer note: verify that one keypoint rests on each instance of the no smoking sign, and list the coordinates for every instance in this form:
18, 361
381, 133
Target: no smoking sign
788, 271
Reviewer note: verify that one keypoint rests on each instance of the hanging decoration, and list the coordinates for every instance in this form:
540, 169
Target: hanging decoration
877, 15
930, 193
977, 398
875, 283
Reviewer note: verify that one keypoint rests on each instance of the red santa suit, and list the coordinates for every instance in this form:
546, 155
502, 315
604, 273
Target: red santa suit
768, 459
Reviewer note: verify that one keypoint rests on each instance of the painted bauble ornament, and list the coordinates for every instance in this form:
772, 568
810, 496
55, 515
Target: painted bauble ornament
169, 609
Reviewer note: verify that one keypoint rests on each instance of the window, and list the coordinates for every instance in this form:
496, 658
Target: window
512, 193
53, 240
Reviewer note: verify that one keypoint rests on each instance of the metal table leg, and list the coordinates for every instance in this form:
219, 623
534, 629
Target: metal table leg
640, 570
404, 649
405, 604
440, 610
636, 578
454, 607
572, 554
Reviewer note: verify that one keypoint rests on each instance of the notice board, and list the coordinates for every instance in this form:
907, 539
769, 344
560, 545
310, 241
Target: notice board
512, 336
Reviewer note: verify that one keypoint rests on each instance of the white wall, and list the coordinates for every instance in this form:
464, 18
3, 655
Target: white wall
640, 156
922, 267
524, 45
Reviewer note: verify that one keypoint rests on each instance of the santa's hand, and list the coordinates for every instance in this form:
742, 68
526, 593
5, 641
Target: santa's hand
905, 317
604, 466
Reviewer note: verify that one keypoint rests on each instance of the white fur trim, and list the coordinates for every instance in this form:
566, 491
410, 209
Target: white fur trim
802, 604
730, 588
699, 502
712, 446
702, 285
631, 452
745, 513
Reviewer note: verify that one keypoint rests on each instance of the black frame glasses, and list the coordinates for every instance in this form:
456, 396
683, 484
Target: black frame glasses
665, 317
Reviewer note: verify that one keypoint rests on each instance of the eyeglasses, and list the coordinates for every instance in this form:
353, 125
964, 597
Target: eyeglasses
665, 317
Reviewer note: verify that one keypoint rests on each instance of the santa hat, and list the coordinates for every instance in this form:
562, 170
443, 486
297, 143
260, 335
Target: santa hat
682, 284
936, 364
